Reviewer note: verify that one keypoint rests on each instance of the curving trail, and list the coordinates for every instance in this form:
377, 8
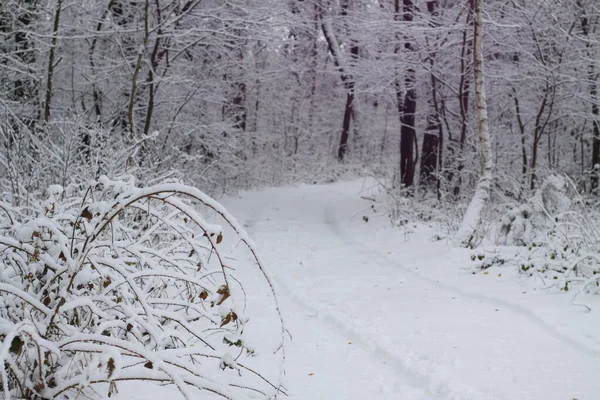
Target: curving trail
382, 313
334, 225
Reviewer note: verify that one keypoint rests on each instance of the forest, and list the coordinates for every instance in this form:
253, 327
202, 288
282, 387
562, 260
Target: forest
235, 94
474, 122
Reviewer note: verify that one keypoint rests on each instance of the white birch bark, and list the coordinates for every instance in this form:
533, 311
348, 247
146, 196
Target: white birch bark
472, 218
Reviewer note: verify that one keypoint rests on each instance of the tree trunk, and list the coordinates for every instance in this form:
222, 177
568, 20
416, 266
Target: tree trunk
409, 108
348, 111
349, 85
239, 105
407, 104
136, 72
429, 155
407, 134
347, 78
596, 138
540, 129
153, 64
25, 87
592, 77
51, 62
522, 135
96, 96
466, 235
346, 124
433, 138
463, 98
314, 55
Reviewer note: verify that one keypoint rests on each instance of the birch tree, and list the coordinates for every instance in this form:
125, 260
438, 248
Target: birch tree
466, 235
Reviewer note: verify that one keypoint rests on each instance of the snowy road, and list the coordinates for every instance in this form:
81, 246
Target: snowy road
382, 313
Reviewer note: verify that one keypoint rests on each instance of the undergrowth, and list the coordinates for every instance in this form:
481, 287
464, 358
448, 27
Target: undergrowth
115, 283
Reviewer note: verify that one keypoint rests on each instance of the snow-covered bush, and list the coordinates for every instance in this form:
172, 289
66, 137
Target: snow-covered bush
65, 152
523, 224
122, 283
561, 233
569, 255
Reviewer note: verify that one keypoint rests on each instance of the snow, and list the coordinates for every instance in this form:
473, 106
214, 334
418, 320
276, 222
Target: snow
376, 312
55, 190
472, 218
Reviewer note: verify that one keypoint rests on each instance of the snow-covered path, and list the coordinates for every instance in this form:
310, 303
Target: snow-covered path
382, 313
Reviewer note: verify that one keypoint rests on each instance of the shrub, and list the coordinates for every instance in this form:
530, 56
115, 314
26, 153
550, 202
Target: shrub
120, 283
561, 233
524, 224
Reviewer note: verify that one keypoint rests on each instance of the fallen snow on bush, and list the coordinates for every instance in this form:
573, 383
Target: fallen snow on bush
561, 235
122, 283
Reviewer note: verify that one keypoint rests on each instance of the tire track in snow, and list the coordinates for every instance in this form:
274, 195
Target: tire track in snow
435, 390
334, 225
404, 359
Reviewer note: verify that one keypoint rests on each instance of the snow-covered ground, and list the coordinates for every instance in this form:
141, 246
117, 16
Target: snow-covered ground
383, 313
377, 312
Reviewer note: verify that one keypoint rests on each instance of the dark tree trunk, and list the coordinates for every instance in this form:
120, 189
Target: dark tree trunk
463, 95
407, 133
96, 95
154, 58
595, 139
346, 124
429, 155
49, 82
346, 76
522, 135
235, 108
348, 111
25, 88
431, 150
349, 85
593, 77
125, 14
239, 106
409, 106
540, 128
